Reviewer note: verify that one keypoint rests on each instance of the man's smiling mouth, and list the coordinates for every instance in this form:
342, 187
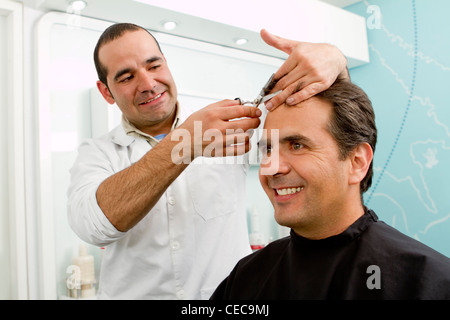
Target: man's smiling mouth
152, 99
286, 191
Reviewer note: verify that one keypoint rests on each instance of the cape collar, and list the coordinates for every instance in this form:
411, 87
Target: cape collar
351, 233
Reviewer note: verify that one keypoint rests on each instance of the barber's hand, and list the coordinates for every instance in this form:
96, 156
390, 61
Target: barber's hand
221, 129
310, 69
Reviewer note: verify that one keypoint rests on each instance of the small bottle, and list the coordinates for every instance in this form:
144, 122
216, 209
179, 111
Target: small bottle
87, 272
256, 237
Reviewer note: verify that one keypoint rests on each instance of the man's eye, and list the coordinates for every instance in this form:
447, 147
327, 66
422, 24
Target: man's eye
296, 146
155, 67
126, 79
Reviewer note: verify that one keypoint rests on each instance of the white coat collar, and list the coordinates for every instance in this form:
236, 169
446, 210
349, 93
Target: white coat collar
119, 135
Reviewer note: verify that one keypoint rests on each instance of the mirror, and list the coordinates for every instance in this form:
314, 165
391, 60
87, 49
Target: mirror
71, 110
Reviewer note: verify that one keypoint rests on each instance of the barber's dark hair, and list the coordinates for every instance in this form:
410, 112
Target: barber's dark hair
352, 121
112, 33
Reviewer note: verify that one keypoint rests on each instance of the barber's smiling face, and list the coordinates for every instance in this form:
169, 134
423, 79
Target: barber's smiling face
139, 80
311, 180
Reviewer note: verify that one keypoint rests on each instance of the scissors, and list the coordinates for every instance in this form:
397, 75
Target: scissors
263, 95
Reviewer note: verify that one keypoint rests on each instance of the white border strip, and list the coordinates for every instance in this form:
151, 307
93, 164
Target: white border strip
13, 12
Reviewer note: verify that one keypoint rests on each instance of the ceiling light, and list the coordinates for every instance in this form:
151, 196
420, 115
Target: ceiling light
169, 25
240, 41
78, 5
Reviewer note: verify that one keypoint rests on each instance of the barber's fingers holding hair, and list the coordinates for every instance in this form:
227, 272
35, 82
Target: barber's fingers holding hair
310, 69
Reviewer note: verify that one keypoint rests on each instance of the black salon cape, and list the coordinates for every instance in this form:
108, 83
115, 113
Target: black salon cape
338, 267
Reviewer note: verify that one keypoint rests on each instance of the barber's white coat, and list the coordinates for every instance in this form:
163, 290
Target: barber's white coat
185, 246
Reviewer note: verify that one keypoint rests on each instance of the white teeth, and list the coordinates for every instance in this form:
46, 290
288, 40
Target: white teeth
159, 95
283, 192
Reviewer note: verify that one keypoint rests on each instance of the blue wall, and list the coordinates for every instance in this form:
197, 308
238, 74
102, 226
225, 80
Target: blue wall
408, 81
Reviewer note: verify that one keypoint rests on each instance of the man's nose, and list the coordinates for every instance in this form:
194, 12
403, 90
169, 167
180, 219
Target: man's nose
283, 166
275, 165
146, 82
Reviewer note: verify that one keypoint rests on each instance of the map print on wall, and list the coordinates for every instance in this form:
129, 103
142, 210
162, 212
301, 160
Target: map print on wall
408, 81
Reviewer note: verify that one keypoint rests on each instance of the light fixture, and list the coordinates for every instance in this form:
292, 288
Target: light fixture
78, 5
240, 41
169, 25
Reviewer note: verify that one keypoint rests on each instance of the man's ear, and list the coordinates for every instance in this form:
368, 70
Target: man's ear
360, 159
104, 90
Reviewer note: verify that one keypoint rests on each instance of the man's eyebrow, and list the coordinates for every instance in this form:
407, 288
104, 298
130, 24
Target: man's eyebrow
153, 59
290, 138
128, 70
297, 138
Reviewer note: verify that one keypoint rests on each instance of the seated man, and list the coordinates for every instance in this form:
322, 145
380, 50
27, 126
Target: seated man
337, 249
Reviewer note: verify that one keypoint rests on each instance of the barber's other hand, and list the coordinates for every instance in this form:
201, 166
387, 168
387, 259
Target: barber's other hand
310, 69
